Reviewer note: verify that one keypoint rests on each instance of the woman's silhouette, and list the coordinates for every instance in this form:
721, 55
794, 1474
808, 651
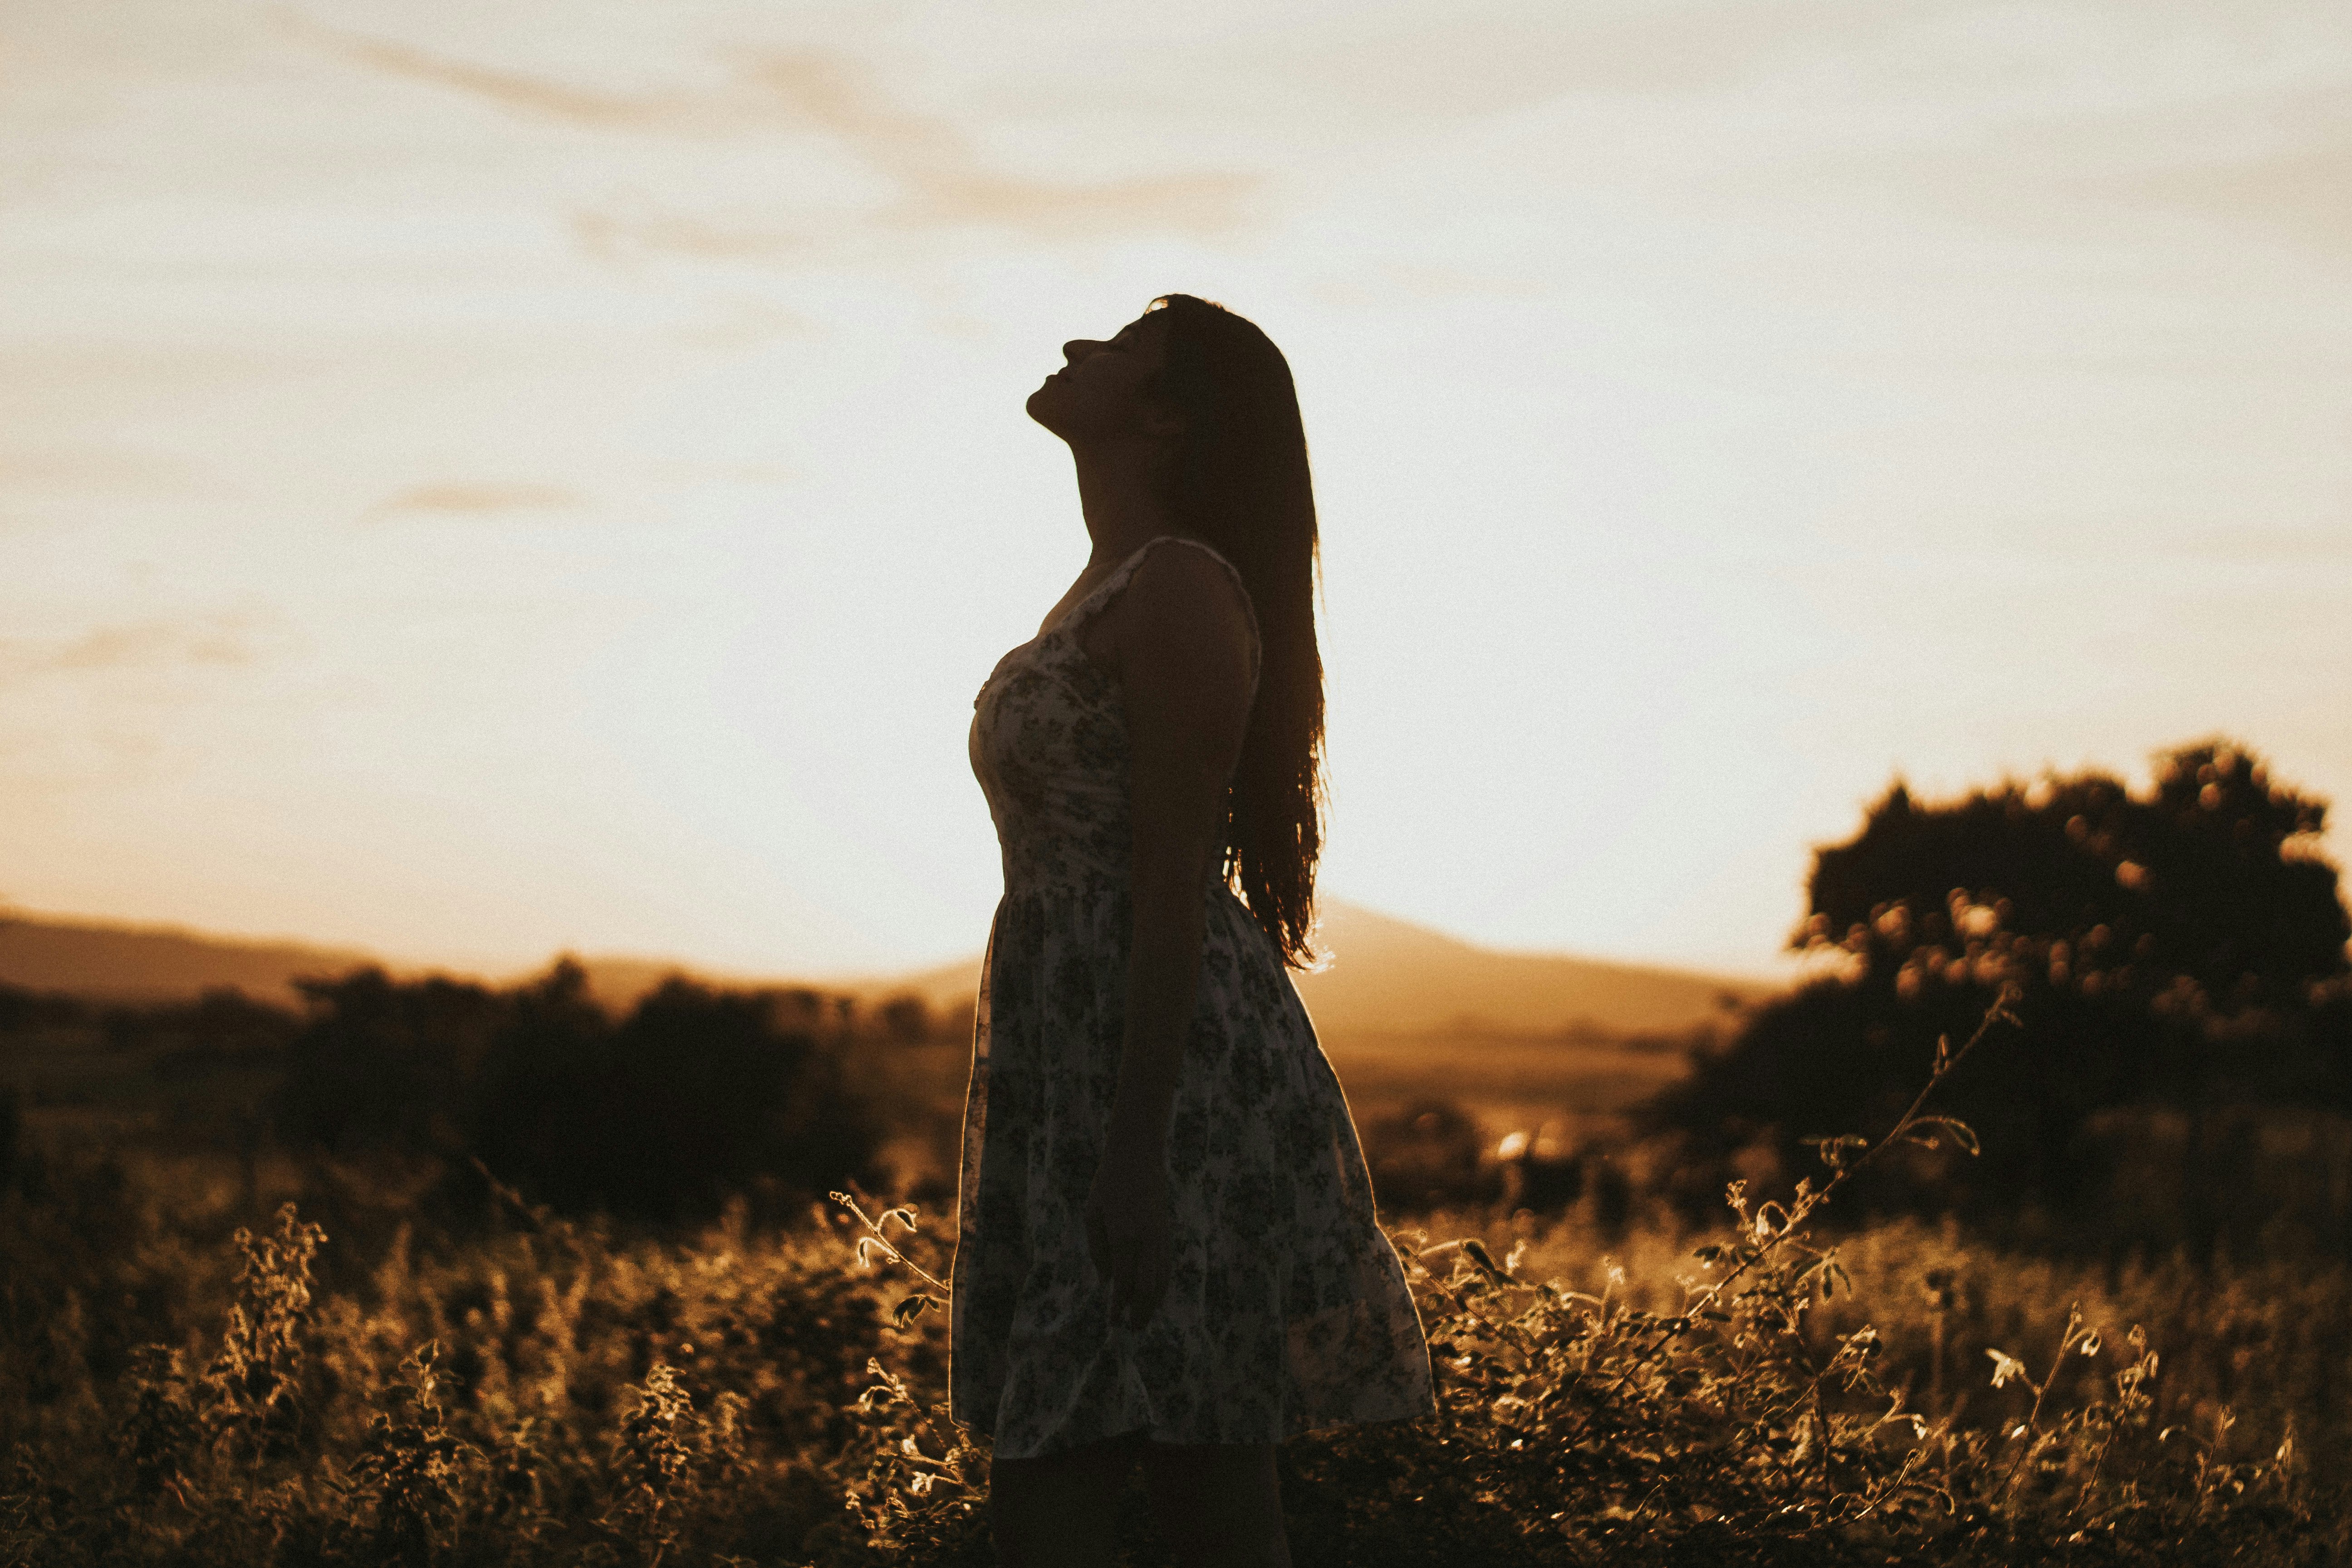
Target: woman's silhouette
1166, 1249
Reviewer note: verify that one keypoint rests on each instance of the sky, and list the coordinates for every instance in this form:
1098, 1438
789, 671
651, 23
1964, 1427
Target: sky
484, 479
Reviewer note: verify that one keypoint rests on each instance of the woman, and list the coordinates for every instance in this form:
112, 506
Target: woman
1166, 1250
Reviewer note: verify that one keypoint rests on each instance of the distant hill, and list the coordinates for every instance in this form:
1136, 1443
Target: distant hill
151, 964
1385, 974
1389, 974
619, 982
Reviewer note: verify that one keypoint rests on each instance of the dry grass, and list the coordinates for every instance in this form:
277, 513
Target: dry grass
545, 1392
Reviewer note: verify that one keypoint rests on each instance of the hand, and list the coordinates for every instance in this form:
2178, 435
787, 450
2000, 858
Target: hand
1128, 1229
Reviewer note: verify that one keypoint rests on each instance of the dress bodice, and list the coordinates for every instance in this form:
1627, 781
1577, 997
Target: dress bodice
1049, 746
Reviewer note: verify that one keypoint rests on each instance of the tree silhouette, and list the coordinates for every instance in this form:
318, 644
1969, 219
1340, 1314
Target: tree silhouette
696, 1094
2205, 886
2184, 947
386, 1063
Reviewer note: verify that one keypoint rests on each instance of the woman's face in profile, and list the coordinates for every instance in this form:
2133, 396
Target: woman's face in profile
1101, 389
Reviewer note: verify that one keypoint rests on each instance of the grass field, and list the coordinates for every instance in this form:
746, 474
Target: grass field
192, 1375
540, 1392
1508, 1081
1565, 1087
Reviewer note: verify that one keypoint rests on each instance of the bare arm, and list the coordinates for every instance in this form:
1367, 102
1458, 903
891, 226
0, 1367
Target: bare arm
1178, 641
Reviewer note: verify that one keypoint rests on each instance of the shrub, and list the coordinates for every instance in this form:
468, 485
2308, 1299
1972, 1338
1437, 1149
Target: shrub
696, 1094
2180, 949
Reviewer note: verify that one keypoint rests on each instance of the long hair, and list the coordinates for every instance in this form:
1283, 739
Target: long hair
1236, 477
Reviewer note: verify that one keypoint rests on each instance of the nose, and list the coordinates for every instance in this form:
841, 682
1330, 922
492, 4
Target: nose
1077, 349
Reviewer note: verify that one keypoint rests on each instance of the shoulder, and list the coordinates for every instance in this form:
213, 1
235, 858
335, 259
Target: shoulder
1182, 607
1185, 589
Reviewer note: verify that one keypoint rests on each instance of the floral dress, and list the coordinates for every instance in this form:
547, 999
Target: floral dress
1286, 1308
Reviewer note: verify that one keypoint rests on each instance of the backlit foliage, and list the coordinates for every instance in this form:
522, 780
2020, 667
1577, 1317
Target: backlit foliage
550, 1391
2180, 957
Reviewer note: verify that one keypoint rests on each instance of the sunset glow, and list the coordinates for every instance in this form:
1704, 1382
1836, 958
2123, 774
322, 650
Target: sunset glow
475, 482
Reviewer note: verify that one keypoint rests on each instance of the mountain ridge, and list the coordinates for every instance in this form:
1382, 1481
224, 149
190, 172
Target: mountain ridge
1389, 974
1384, 975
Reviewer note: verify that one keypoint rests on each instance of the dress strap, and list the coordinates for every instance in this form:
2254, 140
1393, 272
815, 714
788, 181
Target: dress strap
1075, 621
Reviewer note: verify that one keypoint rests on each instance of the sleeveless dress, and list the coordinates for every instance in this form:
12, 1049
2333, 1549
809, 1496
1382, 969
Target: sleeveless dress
1286, 1308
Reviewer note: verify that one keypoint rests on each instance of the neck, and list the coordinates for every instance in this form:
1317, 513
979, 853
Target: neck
1115, 494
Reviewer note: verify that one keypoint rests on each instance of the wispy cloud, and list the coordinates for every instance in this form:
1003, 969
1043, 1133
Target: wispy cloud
474, 498
2316, 546
524, 91
2299, 190
947, 181
617, 231
226, 639
943, 179
91, 467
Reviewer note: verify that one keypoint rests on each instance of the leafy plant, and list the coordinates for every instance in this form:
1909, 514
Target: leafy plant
1578, 1426
408, 1470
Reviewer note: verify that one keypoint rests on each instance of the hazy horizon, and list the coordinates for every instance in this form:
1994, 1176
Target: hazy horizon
1339, 911
475, 484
